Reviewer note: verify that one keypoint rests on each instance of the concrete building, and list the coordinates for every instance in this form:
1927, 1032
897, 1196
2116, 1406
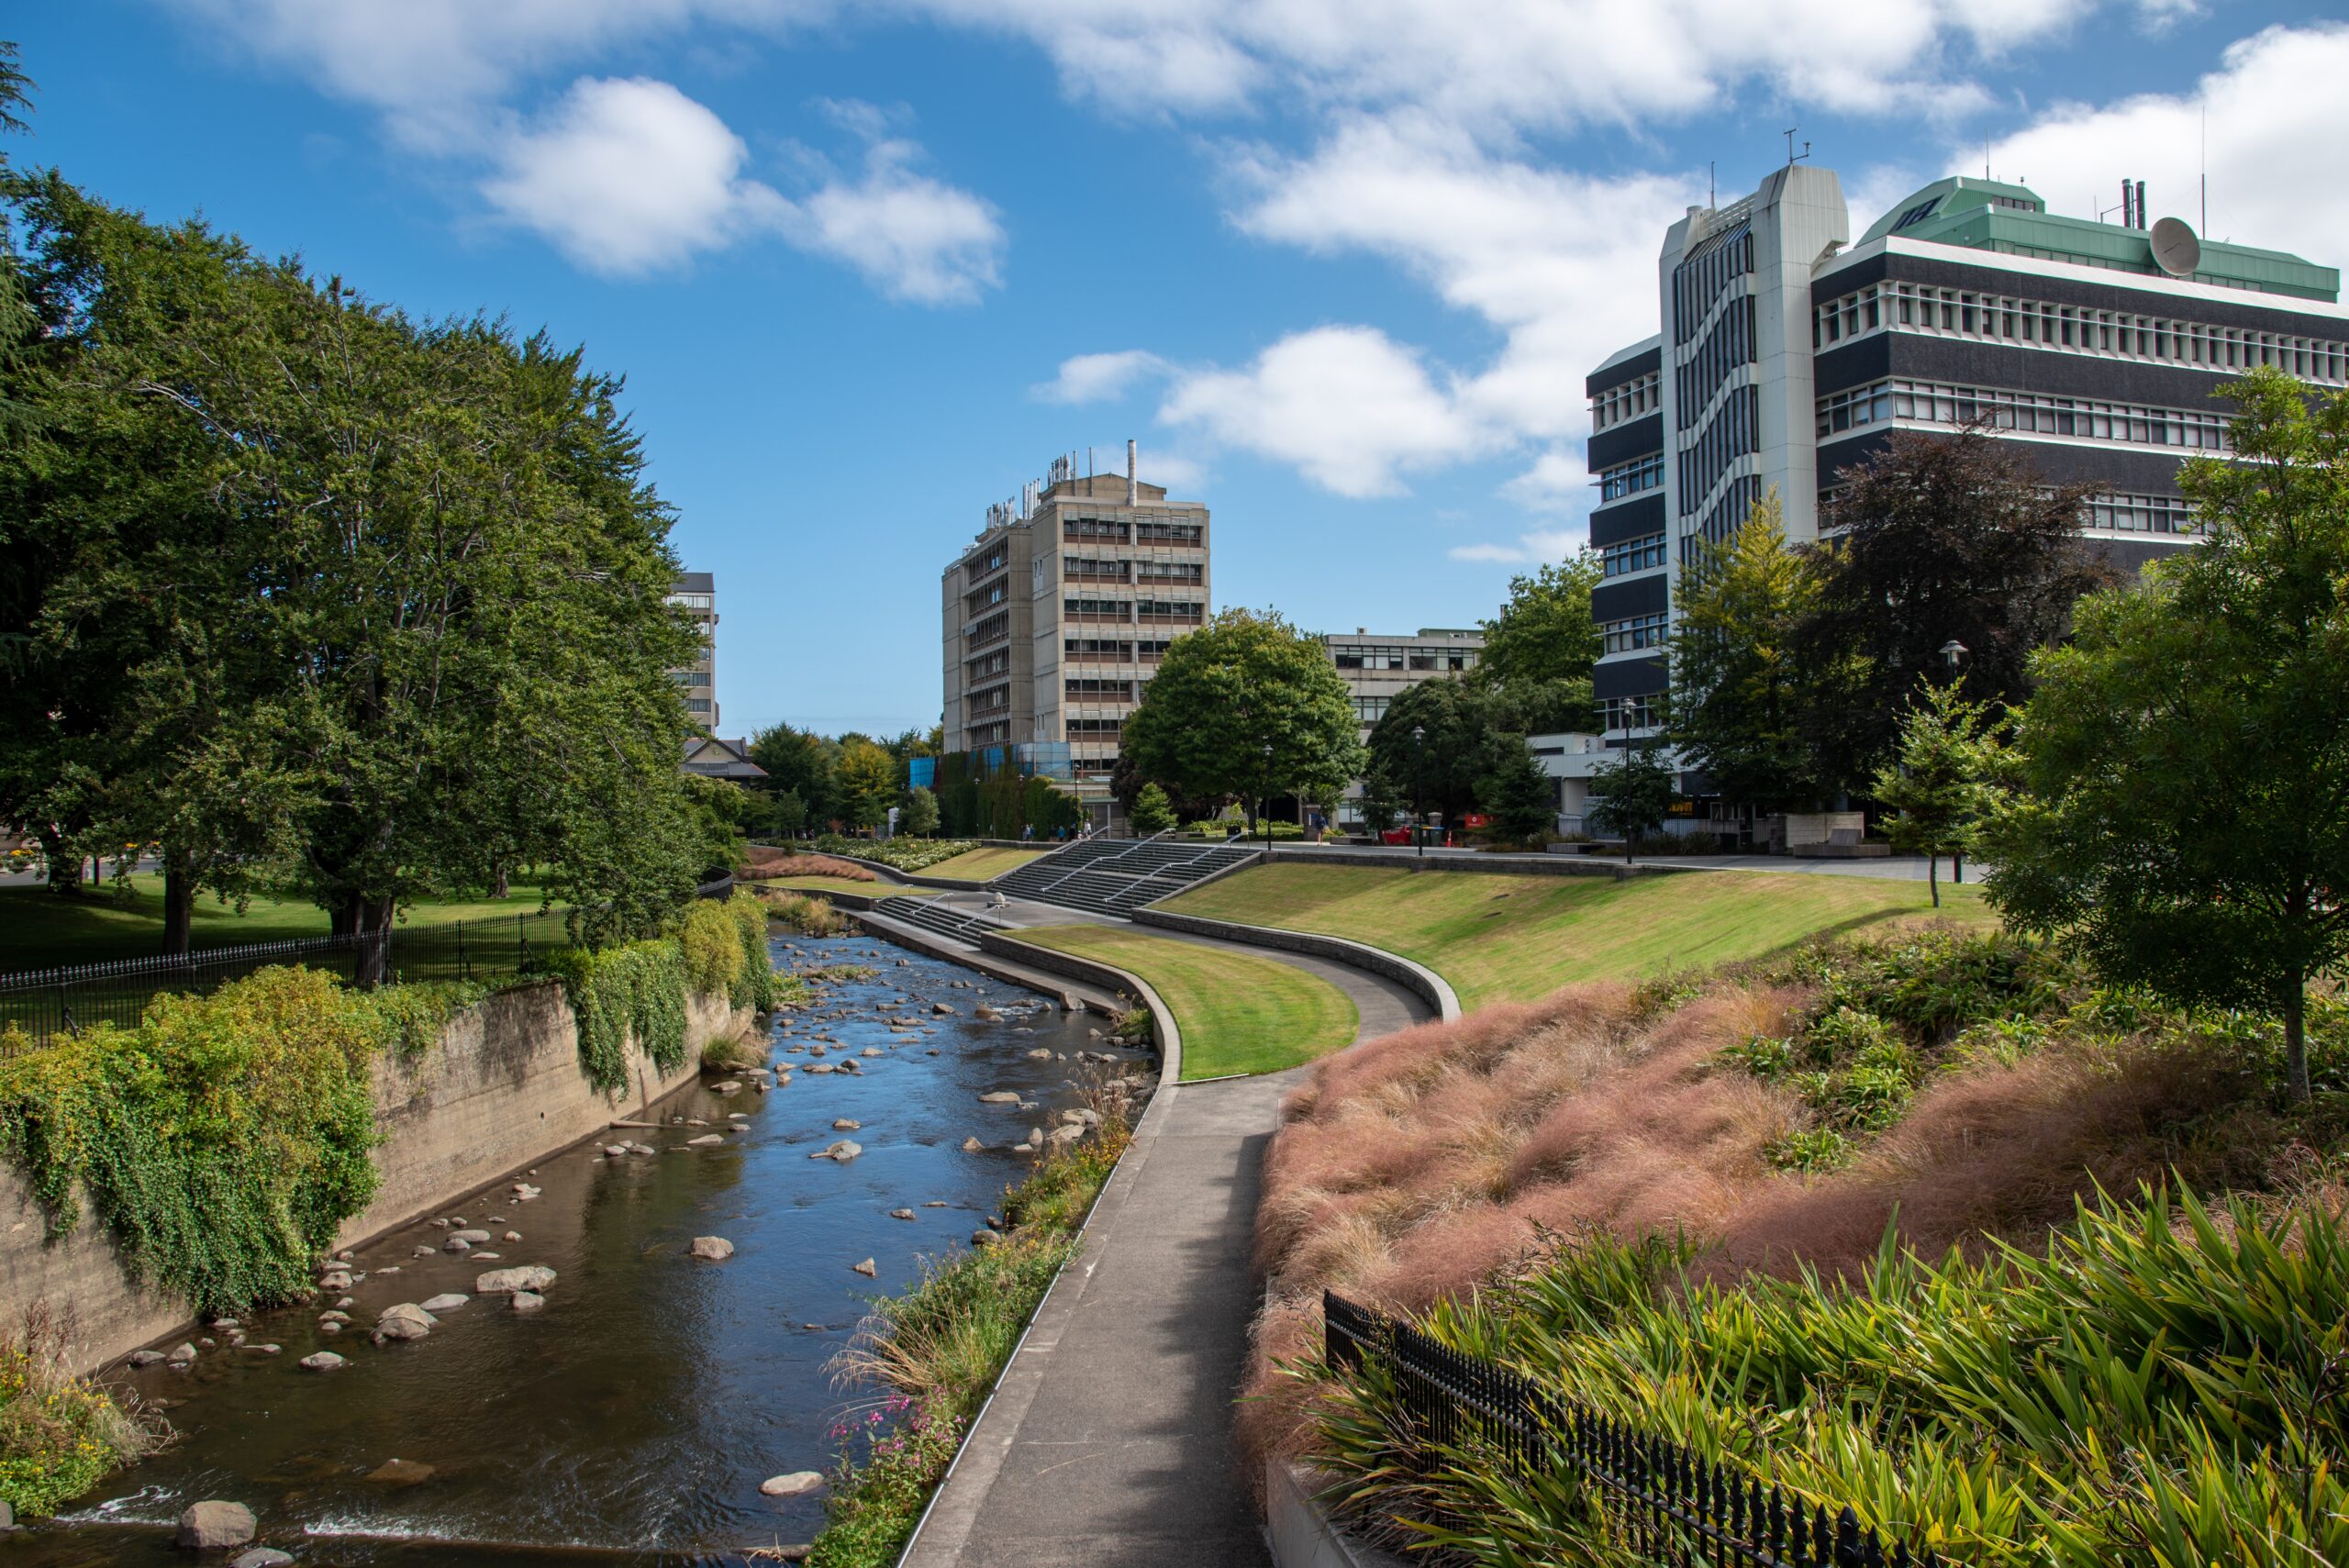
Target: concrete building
1055, 615
1376, 668
698, 593
1788, 352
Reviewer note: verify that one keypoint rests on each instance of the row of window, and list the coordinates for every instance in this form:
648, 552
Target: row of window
1109, 729
1083, 568
1111, 609
1725, 516
1631, 478
1093, 528
985, 598
1632, 633
1728, 347
980, 633
1370, 710
1148, 532
1635, 713
1699, 281
1103, 650
1631, 555
2140, 515
984, 561
1734, 431
1099, 691
1962, 312
2028, 413
695, 601
1190, 571
987, 664
1631, 400
1353, 657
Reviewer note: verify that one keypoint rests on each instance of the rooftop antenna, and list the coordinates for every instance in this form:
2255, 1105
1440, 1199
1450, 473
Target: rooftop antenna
1712, 190
1985, 155
2206, 168
1791, 155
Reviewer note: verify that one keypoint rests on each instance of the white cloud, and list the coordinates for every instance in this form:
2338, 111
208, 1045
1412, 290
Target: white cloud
1098, 378
1543, 547
912, 236
2278, 120
624, 177
2158, 16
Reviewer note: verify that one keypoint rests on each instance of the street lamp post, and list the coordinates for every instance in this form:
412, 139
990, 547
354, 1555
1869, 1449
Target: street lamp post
1625, 709
1419, 789
1267, 803
1954, 653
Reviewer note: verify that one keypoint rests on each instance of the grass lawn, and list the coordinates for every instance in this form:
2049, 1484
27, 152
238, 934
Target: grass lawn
876, 889
1237, 1013
984, 865
39, 930
1502, 938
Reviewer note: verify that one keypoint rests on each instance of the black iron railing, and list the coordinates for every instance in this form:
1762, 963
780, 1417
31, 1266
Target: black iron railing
1666, 1504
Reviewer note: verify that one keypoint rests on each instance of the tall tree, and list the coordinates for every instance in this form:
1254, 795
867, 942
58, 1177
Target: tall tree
867, 783
1739, 697
2187, 754
1944, 537
1943, 781
1244, 707
1151, 813
1517, 793
1544, 632
1633, 797
800, 762
1432, 741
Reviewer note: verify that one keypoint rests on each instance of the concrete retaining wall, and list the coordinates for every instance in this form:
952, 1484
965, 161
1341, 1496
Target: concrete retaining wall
1422, 981
500, 1090
1302, 1534
1527, 865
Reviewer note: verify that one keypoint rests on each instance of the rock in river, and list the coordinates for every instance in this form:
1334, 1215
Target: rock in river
844, 1124
527, 1301
210, 1526
325, 1361
999, 1097
901, 1214
865, 1268
401, 1472
797, 1484
261, 1557
404, 1322
843, 1151
505, 1281
448, 1301
706, 1137
717, 1248
972, 1146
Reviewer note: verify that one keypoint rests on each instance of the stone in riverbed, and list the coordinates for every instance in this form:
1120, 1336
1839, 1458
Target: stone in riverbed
475, 1237
844, 1150
717, 1248
505, 1281
404, 1322
456, 1244
984, 1238
865, 1268
797, 1484
935, 1202
987, 1013
487, 1257
941, 1007
335, 1280
999, 1097
511, 1236
324, 1361
527, 1301
972, 1146
183, 1355
844, 1124
211, 1526
424, 1253
1040, 1054
261, 1557
731, 1087
401, 1472
145, 1358
448, 1301
261, 1349
706, 1137
901, 1214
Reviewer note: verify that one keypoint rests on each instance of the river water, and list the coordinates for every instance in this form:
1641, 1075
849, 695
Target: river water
634, 1417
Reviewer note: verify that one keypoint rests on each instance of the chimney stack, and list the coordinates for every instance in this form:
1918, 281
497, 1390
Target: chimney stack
2143, 221
1133, 476
2128, 206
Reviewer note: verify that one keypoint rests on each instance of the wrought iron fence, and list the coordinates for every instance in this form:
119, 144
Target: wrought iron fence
1666, 1504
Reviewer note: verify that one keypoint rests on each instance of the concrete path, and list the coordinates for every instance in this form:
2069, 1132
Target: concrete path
1108, 1438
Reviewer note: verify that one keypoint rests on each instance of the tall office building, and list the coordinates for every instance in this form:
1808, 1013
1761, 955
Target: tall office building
1787, 353
1055, 615
697, 592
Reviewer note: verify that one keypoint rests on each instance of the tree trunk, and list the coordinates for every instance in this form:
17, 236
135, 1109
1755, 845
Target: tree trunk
375, 944
179, 900
1933, 875
498, 886
64, 870
2296, 1043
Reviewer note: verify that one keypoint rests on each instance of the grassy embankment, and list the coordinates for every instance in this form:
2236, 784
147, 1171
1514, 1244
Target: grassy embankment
823, 886
1510, 937
1237, 1013
984, 865
39, 929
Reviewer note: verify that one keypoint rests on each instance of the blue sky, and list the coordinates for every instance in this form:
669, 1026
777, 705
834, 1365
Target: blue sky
1339, 265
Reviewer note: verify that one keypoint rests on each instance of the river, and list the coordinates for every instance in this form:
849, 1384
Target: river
633, 1417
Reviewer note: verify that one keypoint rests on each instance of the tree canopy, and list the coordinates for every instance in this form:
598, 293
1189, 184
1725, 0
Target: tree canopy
2185, 818
1244, 707
1544, 632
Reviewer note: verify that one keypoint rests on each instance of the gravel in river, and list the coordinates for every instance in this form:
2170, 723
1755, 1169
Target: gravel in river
632, 1418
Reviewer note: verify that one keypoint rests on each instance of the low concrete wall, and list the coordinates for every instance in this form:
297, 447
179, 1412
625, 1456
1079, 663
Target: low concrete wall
500, 1090
1302, 1534
1417, 978
1530, 866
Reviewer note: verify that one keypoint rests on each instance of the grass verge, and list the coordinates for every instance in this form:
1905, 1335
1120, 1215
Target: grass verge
826, 885
1237, 1013
941, 1346
1514, 938
984, 865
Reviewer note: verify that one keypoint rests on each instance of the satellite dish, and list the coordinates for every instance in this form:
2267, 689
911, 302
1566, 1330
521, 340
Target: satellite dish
2176, 249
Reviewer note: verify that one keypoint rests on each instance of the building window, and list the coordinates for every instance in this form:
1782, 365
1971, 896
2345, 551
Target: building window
1097, 609
1631, 478
696, 705
1635, 632
2025, 413
1370, 710
1168, 533
1638, 713
1633, 555
1098, 691
1633, 399
2140, 514
1106, 528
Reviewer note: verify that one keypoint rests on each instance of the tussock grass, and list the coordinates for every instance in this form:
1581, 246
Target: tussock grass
60, 1434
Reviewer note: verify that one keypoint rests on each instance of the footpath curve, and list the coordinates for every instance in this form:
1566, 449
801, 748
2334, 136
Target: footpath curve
1107, 1440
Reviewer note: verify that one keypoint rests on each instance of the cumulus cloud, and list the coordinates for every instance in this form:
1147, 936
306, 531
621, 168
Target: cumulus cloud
1543, 547
1098, 378
2276, 120
1345, 405
914, 237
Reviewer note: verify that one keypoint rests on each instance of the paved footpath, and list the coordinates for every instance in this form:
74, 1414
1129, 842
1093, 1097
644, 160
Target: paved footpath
1108, 1441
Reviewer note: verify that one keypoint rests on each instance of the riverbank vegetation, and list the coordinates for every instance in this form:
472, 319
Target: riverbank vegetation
941, 1346
59, 1435
1238, 1012
808, 914
1700, 1203
1513, 938
901, 854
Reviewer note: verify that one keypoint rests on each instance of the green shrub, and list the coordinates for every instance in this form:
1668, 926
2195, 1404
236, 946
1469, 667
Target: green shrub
903, 854
712, 949
59, 1435
637, 989
755, 981
875, 1500
222, 1140
411, 1017
803, 912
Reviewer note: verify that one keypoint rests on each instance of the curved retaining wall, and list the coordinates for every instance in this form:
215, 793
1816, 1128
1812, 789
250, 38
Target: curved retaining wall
1417, 978
500, 1090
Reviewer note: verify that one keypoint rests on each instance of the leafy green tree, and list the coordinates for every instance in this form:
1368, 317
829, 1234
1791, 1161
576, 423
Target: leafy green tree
1152, 812
787, 812
1517, 793
1944, 537
866, 781
1634, 797
2185, 760
1944, 780
1544, 632
1739, 697
1432, 742
1381, 803
1244, 707
801, 762
921, 813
